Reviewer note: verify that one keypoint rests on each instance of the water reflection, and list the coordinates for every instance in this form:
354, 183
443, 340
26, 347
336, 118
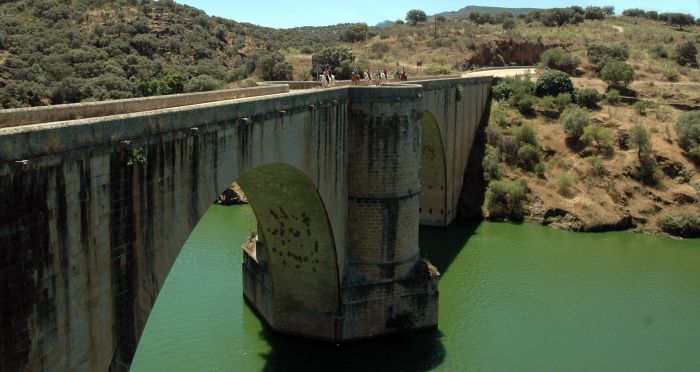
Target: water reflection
415, 351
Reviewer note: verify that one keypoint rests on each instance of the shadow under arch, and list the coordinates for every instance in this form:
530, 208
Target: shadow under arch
413, 351
433, 196
293, 282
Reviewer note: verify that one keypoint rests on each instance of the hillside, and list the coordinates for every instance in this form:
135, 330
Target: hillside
464, 12
564, 181
83, 50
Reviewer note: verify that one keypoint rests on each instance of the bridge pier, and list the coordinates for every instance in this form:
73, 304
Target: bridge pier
385, 286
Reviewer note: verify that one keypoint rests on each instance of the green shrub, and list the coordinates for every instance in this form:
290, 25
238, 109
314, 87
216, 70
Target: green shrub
588, 98
437, 70
574, 121
528, 157
414, 16
688, 130
597, 165
526, 134
558, 59
509, 148
671, 74
642, 106
553, 83
502, 91
355, 33
202, 83
562, 101
491, 162
685, 225
516, 86
600, 55
338, 58
599, 136
493, 136
526, 104
617, 74
613, 97
508, 24
540, 170
565, 183
658, 51
505, 200
686, 54
22, 93
499, 115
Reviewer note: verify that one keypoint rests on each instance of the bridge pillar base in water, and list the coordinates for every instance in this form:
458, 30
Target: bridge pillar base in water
368, 309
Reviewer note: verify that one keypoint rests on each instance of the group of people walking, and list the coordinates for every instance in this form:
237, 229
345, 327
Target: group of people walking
382, 75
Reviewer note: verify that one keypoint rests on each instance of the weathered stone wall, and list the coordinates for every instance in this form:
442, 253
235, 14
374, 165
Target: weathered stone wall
386, 287
93, 213
457, 105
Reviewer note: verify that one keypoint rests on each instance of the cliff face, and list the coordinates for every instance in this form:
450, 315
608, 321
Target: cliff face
506, 52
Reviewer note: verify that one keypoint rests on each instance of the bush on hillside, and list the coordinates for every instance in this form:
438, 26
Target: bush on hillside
526, 134
558, 59
642, 106
491, 162
659, 51
617, 74
678, 19
562, 101
502, 91
588, 98
600, 55
574, 121
339, 59
613, 96
508, 24
525, 104
355, 33
602, 138
684, 225
553, 83
594, 12
565, 183
528, 157
688, 130
505, 200
414, 16
202, 83
686, 54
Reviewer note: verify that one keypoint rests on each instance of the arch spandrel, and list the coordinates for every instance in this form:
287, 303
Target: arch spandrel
299, 249
433, 207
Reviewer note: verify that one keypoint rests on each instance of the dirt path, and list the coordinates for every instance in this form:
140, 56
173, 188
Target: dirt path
507, 72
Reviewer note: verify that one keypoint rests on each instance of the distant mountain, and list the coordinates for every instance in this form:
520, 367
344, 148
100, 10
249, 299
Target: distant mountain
385, 24
464, 12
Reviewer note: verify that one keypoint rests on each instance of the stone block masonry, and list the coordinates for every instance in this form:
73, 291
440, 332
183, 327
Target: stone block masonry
93, 213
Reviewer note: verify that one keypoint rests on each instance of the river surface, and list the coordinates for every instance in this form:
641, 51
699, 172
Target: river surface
512, 298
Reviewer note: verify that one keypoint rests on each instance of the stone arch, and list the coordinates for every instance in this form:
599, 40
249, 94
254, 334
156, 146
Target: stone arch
433, 196
294, 279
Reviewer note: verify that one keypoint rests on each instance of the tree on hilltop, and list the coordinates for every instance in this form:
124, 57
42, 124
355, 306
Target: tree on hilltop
414, 16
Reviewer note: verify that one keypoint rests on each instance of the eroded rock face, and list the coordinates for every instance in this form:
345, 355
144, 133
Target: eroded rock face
505, 52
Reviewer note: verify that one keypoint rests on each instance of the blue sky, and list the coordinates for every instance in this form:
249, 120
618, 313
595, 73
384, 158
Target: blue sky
284, 14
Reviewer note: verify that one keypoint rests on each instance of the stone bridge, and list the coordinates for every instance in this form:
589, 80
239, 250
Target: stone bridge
94, 210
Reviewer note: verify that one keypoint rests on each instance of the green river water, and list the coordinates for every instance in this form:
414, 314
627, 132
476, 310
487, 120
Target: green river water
512, 298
